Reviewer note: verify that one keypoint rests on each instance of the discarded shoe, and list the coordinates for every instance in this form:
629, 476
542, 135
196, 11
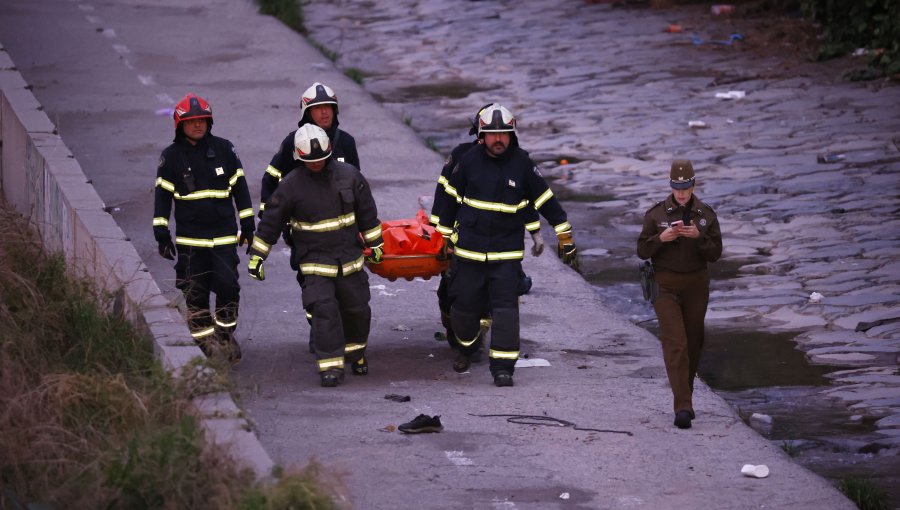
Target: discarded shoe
461, 363
683, 419
360, 367
331, 377
503, 379
422, 423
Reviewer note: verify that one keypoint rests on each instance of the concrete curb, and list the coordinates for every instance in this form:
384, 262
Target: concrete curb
42, 180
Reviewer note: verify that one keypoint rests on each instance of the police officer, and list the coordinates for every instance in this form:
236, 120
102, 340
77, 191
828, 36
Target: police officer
319, 106
203, 174
533, 226
681, 236
487, 195
331, 212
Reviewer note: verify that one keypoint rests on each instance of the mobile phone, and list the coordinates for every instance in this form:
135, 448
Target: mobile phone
676, 224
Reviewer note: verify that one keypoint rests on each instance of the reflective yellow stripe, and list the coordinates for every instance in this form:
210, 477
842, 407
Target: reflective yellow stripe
262, 206
467, 343
330, 270
543, 198
486, 323
562, 227
353, 347
308, 315
271, 170
491, 256
450, 190
434, 219
325, 364
237, 175
164, 184
205, 193
328, 225
206, 243
160, 222
443, 181
372, 234
202, 333
503, 354
444, 230
245, 213
226, 324
531, 227
495, 206
261, 246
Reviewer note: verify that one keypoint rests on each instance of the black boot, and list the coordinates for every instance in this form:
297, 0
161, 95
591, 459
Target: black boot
331, 377
503, 378
360, 367
462, 362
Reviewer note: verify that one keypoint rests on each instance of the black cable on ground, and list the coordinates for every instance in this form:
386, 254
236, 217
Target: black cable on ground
530, 419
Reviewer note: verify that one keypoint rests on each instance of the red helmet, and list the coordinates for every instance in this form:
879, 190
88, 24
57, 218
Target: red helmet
192, 106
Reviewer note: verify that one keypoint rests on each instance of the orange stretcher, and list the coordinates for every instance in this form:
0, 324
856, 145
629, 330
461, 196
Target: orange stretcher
412, 248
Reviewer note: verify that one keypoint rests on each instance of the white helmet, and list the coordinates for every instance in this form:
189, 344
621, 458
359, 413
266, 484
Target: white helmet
317, 94
496, 119
311, 144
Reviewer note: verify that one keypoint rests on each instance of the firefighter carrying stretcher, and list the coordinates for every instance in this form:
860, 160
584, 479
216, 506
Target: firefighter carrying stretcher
484, 217
333, 217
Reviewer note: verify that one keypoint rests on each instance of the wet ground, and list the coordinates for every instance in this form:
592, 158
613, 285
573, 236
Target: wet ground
609, 91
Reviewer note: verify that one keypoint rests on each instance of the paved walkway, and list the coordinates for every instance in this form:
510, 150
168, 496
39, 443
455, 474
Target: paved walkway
106, 71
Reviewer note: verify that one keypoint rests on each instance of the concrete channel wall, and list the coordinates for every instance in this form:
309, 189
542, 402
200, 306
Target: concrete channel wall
41, 179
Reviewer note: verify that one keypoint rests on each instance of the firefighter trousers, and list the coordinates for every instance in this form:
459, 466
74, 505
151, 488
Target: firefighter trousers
201, 271
340, 317
681, 310
495, 286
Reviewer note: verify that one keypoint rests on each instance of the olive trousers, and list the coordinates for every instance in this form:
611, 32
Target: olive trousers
681, 310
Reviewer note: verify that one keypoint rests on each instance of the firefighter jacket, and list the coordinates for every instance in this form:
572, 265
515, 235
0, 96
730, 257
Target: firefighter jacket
332, 216
343, 148
486, 205
203, 179
684, 254
533, 222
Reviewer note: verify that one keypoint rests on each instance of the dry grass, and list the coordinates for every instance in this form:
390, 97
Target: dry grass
88, 418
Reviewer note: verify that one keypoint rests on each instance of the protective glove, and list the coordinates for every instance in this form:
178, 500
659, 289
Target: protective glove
375, 255
164, 243
247, 230
566, 250
255, 268
538, 247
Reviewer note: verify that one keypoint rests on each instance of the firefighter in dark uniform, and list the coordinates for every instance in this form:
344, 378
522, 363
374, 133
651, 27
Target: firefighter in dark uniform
533, 226
202, 173
319, 106
488, 192
332, 215
681, 236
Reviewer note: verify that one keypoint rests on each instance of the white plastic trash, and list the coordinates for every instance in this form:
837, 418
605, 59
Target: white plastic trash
731, 94
760, 471
816, 297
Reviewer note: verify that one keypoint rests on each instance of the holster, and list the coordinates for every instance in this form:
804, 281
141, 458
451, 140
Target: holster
648, 282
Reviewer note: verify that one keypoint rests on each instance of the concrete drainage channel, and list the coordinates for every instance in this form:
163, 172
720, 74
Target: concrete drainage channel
41, 179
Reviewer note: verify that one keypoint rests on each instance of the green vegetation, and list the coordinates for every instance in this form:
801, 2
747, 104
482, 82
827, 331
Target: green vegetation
851, 24
355, 74
790, 449
329, 54
89, 418
288, 11
864, 493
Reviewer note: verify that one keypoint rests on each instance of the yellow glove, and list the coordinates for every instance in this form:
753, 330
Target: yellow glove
376, 255
255, 268
566, 250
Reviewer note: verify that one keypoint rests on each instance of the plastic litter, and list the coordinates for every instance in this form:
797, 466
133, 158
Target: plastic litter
401, 327
731, 94
760, 471
719, 9
532, 362
674, 29
830, 158
697, 124
731, 39
564, 495
816, 297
